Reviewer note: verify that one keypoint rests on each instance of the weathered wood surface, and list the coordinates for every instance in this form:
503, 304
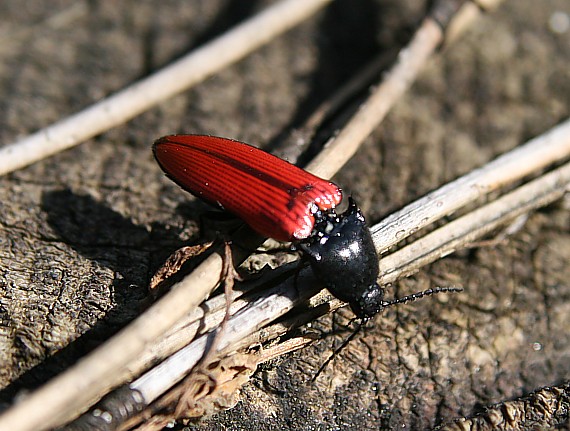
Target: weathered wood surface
82, 232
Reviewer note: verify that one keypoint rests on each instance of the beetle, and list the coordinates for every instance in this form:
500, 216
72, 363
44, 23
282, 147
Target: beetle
280, 200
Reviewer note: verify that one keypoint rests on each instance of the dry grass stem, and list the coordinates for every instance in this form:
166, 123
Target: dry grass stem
410, 62
533, 156
246, 326
199, 283
474, 225
111, 364
273, 303
93, 376
140, 96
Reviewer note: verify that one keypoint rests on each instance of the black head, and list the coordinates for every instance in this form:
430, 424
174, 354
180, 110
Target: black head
342, 254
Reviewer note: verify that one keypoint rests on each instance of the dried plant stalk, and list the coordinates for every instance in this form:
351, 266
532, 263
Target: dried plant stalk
109, 365
181, 75
93, 376
533, 156
247, 326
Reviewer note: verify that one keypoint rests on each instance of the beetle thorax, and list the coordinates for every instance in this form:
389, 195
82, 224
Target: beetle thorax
342, 255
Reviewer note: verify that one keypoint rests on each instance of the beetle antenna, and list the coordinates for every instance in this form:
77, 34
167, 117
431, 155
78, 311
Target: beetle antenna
341, 347
385, 304
418, 295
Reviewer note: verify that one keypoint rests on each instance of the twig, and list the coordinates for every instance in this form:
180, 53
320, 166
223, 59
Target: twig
137, 98
410, 62
519, 158
512, 166
93, 376
271, 304
387, 93
459, 233
63, 395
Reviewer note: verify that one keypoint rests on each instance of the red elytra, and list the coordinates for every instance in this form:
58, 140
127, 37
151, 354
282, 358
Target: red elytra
274, 197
